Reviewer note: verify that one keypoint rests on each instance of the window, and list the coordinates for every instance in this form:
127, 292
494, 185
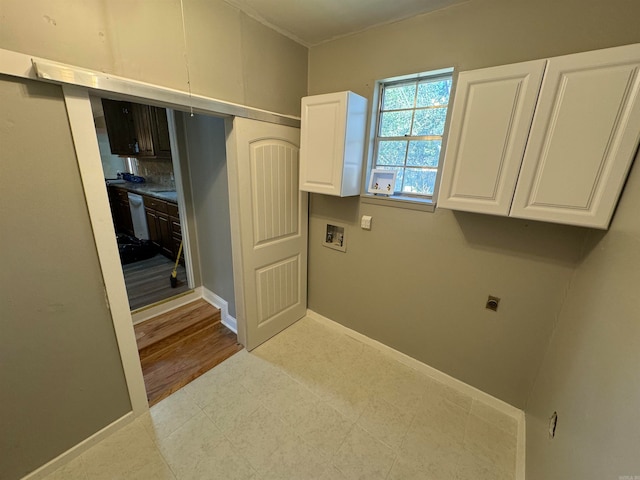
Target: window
410, 124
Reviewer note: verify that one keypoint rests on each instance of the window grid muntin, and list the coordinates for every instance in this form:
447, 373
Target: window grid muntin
408, 138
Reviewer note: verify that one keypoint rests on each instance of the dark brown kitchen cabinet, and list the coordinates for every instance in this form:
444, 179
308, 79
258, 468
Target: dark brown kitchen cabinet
137, 130
176, 230
119, 201
142, 123
163, 221
160, 130
120, 127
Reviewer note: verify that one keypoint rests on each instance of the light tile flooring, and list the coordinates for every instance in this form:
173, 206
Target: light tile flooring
311, 403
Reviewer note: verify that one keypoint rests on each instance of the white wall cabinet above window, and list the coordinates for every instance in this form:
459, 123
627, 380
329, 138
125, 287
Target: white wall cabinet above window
332, 140
563, 158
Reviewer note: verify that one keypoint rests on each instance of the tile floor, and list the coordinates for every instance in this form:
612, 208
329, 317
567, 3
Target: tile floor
311, 403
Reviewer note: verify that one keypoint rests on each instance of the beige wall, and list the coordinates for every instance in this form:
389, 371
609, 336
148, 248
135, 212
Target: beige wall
590, 372
418, 281
204, 145
60, 369
231, 56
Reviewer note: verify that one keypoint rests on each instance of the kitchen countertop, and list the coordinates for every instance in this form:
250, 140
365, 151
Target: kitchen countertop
162, 192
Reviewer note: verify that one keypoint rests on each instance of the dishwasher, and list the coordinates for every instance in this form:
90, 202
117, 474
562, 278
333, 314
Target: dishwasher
138, 216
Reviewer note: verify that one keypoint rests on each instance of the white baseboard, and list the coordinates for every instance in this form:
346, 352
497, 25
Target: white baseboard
521, 448
167, 306
80, 448
441, 377
220, 303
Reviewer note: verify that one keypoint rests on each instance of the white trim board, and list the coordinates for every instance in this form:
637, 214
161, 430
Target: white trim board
441, 377
220, 303
79, 448
28, 66
88, 157
164, 307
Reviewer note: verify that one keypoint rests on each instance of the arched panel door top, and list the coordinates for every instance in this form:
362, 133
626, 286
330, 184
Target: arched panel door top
274, 185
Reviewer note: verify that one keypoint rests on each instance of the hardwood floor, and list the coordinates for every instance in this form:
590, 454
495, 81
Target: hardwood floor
177, 347
148, 281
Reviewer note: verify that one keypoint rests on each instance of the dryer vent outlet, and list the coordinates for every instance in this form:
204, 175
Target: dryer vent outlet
492, 303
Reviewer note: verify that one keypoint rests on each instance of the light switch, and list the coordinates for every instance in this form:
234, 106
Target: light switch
366, 222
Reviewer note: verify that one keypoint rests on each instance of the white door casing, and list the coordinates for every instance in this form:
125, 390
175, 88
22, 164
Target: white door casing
583, 138
490, 120
269, 225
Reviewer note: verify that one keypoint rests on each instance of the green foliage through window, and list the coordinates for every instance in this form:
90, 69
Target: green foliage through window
409, 131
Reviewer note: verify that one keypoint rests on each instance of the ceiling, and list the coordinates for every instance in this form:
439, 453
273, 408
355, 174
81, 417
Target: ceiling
312, 22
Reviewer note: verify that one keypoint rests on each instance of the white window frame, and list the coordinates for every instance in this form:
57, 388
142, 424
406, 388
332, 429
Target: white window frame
404, 199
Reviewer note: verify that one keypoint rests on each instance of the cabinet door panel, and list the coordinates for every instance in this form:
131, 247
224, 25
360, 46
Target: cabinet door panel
322, 143
120, 126
142, 122
490, 120
582, 140
160, 131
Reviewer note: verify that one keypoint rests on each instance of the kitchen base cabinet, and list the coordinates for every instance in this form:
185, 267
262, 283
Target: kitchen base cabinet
175, 230
120, 211
163, 220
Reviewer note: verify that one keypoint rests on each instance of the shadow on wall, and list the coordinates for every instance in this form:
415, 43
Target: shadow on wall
342, 209
546, 242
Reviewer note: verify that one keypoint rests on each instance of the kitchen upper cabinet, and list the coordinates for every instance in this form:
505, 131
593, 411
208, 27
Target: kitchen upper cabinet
488, 133
120, 127
332, 140
582, 138
160, 131
143, 127
137, 130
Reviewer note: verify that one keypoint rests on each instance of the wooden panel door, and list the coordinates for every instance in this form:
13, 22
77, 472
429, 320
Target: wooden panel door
269, 221
583, 138
490, 121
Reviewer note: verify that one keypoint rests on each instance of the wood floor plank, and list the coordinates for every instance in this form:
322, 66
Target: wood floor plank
169, 362
162, 326
148, 282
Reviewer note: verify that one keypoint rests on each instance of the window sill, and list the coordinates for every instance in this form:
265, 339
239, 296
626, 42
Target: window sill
410, 203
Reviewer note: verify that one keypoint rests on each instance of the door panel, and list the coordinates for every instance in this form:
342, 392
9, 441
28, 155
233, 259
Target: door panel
269, 228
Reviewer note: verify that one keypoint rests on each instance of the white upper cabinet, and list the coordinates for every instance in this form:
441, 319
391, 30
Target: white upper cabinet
490, 123
332, 140
583, 138
572, 150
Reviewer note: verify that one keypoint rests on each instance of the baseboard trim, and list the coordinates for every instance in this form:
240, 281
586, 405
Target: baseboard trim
167, 306
80, 448
442, 377
217, 301
521, 448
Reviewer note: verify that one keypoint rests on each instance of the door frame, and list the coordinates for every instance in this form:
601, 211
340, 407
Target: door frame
77, 84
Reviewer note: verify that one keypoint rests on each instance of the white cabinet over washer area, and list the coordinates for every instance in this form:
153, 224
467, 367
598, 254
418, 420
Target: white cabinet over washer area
549, 140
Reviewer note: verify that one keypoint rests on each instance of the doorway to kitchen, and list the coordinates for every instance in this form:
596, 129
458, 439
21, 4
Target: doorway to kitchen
138, 167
